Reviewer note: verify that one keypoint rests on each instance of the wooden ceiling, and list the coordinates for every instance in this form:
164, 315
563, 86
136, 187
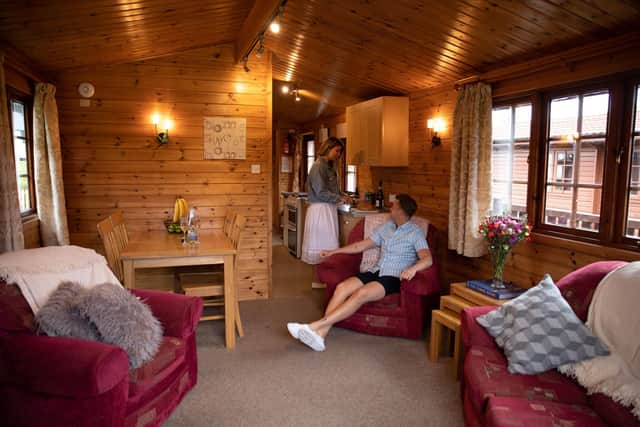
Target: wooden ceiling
338, 51
59, 34
364, 48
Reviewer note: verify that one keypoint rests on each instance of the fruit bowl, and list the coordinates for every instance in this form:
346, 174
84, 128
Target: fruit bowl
172, 227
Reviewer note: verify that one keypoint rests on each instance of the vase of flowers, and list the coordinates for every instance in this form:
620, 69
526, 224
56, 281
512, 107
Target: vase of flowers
503, 233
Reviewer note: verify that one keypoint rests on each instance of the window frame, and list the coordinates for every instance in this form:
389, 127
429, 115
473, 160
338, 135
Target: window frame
612, 229
27, 100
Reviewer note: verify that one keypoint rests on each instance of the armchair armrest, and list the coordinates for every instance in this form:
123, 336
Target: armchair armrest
179, 314
425, 282
473, 334
337, 268
61, 366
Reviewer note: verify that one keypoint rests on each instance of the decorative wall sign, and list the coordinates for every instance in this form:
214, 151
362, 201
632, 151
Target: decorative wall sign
225, 138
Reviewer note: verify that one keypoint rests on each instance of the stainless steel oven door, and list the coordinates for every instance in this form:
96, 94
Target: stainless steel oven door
292, 240
292, 215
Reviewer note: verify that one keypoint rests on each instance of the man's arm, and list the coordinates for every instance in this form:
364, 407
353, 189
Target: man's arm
354, 248
424, 261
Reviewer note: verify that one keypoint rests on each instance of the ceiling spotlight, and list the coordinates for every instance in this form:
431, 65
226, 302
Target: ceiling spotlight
275, 25
260, 50
297, 95
285, 89
245, 61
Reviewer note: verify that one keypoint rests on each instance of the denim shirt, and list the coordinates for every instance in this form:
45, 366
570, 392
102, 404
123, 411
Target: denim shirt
399, 247
322, 183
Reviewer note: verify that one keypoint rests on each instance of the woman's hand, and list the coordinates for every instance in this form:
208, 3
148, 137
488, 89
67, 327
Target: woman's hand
408, 273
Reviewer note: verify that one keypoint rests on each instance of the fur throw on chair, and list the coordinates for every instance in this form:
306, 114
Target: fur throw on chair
107, 313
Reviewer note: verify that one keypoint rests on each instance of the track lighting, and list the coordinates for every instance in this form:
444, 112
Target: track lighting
275, 25
296, 93
260, 50
285, 89
245, 61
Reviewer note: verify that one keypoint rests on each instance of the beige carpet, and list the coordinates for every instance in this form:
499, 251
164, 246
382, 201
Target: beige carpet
272, 380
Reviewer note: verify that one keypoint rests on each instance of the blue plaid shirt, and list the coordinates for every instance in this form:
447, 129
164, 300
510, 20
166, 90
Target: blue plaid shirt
399, 247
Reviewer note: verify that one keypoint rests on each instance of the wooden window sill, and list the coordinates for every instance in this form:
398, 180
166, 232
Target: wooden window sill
598, 250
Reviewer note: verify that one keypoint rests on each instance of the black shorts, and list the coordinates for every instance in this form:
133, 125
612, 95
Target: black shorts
391, 284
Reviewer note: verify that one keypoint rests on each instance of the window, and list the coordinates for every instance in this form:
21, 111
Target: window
633, 201
311, 154
351, 178
511, 132
576, 139
22, 150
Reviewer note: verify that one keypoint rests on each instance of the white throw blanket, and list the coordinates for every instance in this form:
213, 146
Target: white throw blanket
614, 318
38, 272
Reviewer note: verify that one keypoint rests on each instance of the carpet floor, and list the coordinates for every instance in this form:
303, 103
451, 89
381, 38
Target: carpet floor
270, 379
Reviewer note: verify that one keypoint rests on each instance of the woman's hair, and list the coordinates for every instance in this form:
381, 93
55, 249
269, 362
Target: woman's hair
329, 144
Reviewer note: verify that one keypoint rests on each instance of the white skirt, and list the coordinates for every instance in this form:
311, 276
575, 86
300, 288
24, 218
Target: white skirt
320, 231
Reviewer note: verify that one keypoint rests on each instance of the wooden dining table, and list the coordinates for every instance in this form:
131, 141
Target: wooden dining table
161, 249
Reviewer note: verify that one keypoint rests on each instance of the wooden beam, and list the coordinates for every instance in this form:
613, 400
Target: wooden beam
256, 22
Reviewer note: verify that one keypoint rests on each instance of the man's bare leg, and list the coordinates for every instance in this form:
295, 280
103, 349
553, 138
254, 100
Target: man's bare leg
372, 291
343, 291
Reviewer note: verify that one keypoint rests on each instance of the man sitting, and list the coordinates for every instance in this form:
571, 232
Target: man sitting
404, 251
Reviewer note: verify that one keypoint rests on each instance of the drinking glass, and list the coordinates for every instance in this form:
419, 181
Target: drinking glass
184, 226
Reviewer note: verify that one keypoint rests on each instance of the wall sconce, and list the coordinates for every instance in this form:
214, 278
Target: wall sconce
162, 138
436, 125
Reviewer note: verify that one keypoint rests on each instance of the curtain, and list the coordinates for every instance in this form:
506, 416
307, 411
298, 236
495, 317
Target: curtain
11, 237
48, 168
470, 187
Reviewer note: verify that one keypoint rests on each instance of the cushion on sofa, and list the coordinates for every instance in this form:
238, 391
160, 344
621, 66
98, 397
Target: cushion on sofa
15, 313
613, 413
486, 375
539, 331
514, 412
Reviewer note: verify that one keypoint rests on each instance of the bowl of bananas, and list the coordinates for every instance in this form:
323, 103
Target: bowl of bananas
180, 209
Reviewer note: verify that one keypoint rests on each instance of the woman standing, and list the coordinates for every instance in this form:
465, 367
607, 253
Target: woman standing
321, 222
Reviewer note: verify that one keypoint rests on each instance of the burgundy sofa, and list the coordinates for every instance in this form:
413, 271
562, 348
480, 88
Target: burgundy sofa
55, 381
494, 397
400, 315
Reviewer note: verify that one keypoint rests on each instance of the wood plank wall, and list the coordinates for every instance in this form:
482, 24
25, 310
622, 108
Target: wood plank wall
427, 178
111, 161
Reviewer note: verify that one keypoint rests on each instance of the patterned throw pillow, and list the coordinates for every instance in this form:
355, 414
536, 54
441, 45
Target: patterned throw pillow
539, 331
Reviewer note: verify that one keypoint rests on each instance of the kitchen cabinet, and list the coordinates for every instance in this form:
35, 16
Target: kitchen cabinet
346, 224
378, 132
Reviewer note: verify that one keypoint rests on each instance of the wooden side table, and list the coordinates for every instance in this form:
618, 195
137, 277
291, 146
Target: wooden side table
448, 316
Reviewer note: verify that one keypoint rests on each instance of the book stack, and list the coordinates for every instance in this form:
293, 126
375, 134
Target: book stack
484, 286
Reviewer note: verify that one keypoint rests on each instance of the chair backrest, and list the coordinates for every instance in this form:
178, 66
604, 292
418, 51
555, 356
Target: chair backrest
111, 248
120, 228
236, 232
228, 222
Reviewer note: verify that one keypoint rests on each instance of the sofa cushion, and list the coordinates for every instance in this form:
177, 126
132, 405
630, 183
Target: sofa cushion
15, 313
539, 331
613, 413
167, 359
515, 412
486, 375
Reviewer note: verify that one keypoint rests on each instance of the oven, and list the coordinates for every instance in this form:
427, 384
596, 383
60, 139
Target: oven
293, 227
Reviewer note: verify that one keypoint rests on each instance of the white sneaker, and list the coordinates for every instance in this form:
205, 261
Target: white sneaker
311, 338
294, 328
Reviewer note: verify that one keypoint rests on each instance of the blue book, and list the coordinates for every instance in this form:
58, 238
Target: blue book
484, 286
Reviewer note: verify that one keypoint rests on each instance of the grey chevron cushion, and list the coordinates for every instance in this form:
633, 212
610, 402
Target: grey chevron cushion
539, 331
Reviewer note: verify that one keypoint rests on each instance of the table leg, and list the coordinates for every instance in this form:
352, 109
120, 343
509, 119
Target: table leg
436, 338
129, 274
229, 302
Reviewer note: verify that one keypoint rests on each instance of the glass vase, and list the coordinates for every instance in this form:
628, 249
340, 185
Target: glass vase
498, 259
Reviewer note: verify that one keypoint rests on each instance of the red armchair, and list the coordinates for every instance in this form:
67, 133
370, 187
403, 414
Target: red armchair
494, 397
400, 315
54, 381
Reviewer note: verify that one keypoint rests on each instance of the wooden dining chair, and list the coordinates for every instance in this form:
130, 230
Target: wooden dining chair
120, 228
228, 222
112, 249
210, 285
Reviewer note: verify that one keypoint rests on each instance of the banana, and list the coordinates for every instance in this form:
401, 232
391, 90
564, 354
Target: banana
185, 207
176, 211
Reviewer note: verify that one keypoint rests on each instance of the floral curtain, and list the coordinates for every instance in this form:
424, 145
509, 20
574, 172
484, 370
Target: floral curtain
11, 236
470, 187
48, 168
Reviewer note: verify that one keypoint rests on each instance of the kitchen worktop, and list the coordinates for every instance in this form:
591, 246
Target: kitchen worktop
359, 214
